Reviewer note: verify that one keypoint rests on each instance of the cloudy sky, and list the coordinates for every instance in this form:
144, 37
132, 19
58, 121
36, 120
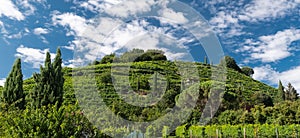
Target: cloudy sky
262, 34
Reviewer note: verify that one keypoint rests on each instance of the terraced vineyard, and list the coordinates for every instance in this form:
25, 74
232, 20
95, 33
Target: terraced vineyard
155, 84
149, 90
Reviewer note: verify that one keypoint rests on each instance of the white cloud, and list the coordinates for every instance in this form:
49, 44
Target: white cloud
89, 34
269, 74
76, 23
228, 19
224, 20
176, 17
100, 36
262, 10
18, 9
30, 9
2, 81
36, 57
40, 31
14, 36
130, 8
272, 48
266, 73
26, 30
9, 9
227, 24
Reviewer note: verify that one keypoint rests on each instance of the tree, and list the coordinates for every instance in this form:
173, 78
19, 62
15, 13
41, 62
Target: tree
132, 55
261, 98
42, 89
108, 59
58, 78
13, 87
281, 92
205, 60
229, 62
247, 71
152, 55
291, 93
49, 83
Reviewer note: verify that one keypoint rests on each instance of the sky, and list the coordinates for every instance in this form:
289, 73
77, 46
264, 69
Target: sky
262, 34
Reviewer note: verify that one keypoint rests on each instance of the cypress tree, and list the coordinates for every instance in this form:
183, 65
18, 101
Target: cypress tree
291, 92
205, 60
49, 83
41, 94
281, 92
58, 78
13, 87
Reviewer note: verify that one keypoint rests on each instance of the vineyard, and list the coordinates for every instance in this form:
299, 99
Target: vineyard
265, 131
147, 91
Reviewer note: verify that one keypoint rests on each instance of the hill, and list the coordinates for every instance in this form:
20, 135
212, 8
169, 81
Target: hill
241, 91
151, 90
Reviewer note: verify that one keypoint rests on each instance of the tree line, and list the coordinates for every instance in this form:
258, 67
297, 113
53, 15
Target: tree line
48, 88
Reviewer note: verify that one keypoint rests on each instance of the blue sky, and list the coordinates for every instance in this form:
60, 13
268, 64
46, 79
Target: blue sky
262, 34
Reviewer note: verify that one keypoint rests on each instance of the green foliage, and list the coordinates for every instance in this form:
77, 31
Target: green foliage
165, 131
247, 71
181, 131
138, 55
291, 93
49, 83
197, 131
262, 98
58, 79
68, 121
229, 62
107, 59
281, 93
1, 90
234, 131
13, 89
106, 78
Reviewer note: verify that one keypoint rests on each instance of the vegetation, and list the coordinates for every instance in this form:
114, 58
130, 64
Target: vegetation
51, 109
229, 62
13, 89
247, 71
48, 88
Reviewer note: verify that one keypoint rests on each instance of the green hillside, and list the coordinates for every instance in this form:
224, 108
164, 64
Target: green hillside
152, 88
241, 91
238, 85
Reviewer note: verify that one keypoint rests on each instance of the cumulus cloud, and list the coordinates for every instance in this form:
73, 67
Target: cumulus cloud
89, 35
75, 22
33, 56
97, 42
97, 37
271, 48
130, 8
262, 10
2, 81
176, 17
227, 20
270, 75
40, 31
9, 9
226, 24
97, 5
